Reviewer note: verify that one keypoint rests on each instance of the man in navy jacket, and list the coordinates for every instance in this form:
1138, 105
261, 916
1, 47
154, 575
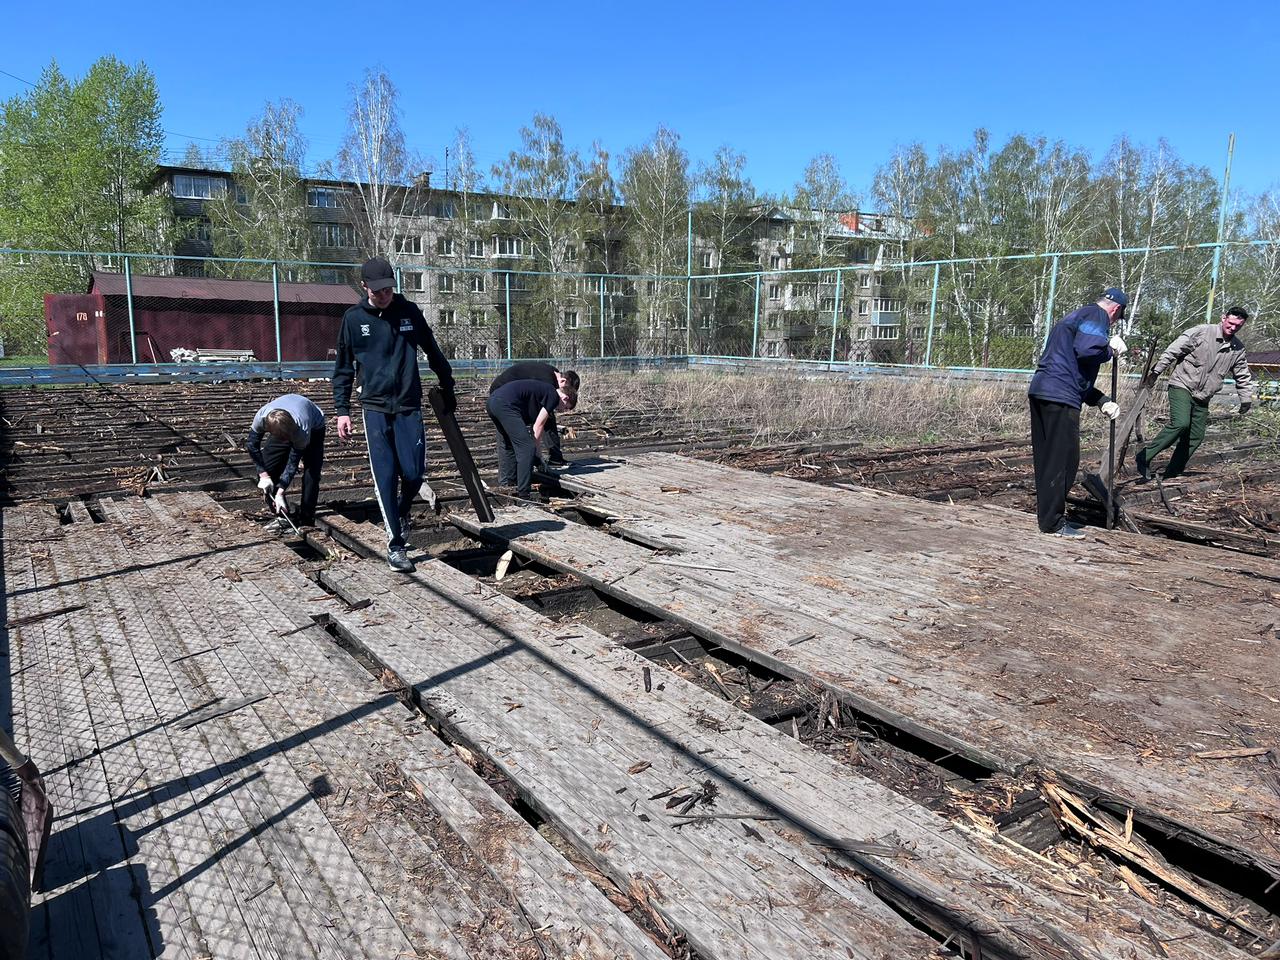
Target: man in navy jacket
380, 336
1079, 344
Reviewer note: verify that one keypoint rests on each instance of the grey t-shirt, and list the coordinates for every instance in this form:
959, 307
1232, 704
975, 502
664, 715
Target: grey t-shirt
305, 414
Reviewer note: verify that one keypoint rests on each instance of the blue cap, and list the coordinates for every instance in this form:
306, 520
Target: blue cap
1116, 295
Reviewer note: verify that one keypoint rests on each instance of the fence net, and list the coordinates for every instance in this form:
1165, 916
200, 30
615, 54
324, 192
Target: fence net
82, 308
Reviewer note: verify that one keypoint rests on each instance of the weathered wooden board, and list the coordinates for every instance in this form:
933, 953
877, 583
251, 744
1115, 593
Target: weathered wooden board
565, 713
1112, 662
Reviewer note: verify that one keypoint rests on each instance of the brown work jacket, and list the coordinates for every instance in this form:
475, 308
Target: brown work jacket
1204, 358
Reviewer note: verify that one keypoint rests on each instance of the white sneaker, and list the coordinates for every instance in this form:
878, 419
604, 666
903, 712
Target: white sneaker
1069, 531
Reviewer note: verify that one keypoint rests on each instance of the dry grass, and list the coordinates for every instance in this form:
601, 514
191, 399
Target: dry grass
775, 408
770, 408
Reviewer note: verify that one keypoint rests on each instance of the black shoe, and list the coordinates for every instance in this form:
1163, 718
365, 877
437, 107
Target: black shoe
398, 560
1143, 464
558, 463
531, 497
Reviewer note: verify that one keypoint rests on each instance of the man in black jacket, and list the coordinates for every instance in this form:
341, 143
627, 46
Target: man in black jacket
545, 373
380, 337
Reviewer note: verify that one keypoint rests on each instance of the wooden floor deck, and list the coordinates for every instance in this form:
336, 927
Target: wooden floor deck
1119, 664
602, 742
230, 784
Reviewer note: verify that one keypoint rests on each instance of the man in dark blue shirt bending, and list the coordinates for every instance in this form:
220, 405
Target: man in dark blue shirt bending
516, 408
1079, 344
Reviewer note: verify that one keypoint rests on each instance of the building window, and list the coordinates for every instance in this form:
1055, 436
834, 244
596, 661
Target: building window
649, 287
198, 187
333, 276
705, 258
506, 246
476, 283
917, 333
885, 332
198, 229
771, 321
242, 195
866, 280
805, 290
771, 348
571, 252
501, 210
411, 280
445, 283
334, 234
775, 262
864, 308
570, 319
828, 278
704, 290
444, 246
519, 281
884, 305
323, 197
447, 318
862, 333
706, 321
443, 209
407, 244
475, 248
829, 304
775, 291
480, 351
477, 318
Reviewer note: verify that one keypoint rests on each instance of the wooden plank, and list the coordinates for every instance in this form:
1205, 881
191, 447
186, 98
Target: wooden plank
486, 653
939, 623
461, 455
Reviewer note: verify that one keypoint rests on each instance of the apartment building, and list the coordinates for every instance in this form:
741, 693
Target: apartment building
472, 267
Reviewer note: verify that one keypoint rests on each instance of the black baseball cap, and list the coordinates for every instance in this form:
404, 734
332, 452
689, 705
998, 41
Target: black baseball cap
377, 274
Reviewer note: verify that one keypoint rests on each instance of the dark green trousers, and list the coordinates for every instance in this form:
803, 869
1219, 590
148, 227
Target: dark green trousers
1188, 418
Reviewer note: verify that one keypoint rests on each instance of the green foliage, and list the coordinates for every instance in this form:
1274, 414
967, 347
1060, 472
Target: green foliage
76, 160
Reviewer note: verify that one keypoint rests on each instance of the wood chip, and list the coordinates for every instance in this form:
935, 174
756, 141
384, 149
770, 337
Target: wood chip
1233, 753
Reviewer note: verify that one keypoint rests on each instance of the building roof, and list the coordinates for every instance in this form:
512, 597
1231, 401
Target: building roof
1269, 358
208, 288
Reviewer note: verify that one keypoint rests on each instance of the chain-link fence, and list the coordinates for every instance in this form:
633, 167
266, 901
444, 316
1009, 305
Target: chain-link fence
88, 308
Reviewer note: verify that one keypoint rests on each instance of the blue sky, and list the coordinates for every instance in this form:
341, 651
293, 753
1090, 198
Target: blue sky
779, 82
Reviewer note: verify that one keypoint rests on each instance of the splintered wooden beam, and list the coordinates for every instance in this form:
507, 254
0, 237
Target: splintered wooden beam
461, 455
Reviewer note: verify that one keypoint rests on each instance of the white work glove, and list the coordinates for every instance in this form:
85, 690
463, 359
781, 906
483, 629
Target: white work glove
1111, 409
281, 505
266, 485
1118, 348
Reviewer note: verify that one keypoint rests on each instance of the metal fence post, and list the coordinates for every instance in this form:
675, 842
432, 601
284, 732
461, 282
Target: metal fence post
128, 295
507, 284
688, 289
933, 315
1048, 307
398, 278
755, 321
835, 319
275, 301
602, 317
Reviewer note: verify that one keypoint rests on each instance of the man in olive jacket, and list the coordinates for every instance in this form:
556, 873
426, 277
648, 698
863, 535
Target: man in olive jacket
1201, 359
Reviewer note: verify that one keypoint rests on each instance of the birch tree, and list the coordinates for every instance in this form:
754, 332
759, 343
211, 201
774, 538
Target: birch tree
541, 180
725, 216
263, 216
386, 181
655, 187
